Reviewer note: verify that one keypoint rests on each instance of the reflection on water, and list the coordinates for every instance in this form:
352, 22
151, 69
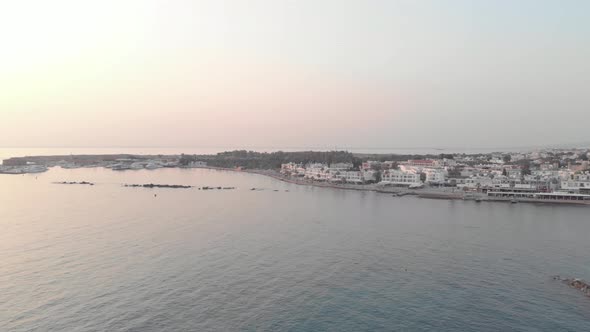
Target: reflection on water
110, 258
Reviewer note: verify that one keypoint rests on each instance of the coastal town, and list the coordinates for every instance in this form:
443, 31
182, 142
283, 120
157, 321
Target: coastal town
560, 175
538, 171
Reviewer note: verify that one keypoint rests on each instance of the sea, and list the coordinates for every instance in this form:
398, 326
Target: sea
283, 257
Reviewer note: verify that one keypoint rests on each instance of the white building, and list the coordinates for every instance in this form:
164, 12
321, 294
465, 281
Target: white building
513, 173
423, 163
290, 168
318, 172
346, 176
579, 182
400, 177
435, 175
341, 166
477, 182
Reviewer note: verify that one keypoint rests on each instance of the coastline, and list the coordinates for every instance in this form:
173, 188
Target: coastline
398, 192
443, 193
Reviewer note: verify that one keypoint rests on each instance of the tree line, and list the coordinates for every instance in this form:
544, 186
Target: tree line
270, 160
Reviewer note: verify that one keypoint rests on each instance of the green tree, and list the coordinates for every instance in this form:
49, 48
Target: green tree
526, 168
446, 156
454, 172
186, 159
376, 167
378, 176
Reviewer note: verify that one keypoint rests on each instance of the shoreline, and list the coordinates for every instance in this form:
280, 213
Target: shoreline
441, 193
274, 175
399, 192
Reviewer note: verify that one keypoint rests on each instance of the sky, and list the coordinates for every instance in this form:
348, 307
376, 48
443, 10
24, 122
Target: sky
305, 73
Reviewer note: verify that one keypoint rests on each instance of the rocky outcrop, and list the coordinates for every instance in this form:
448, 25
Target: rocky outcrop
576, 283
151, 185
217, 188
82, 183
175, 186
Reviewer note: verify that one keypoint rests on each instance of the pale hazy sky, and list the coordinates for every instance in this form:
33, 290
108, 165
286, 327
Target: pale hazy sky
253, 73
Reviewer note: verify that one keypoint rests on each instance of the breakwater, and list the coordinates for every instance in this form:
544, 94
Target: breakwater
151, 185
73, 183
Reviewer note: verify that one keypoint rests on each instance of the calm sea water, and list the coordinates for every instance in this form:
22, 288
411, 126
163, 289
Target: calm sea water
109, 258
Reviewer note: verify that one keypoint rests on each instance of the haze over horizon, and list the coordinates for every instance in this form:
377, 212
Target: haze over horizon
376, 74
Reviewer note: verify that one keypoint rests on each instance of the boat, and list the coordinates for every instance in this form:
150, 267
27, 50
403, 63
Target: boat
25, 169
69, 166
153, 166
120, 167
137, 165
